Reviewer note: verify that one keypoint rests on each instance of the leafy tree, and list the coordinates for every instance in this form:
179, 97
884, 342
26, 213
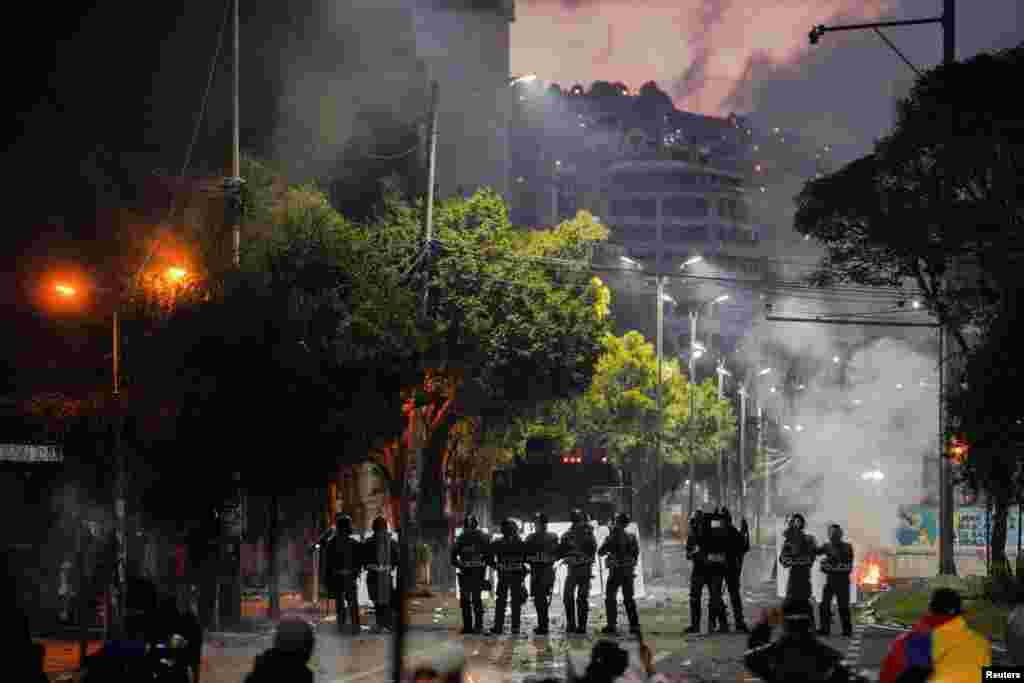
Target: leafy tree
944, 185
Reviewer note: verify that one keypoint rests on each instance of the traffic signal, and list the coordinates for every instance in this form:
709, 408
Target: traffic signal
959, 449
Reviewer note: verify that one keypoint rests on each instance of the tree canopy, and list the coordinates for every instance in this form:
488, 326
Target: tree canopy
943, 188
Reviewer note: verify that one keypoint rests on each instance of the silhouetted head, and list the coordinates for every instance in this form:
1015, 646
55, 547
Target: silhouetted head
835, 533
471, 522
945, 601
540, 521
343, 522
295, 637
380, 525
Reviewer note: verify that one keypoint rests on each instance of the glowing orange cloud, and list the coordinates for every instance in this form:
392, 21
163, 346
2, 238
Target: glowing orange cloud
715, 42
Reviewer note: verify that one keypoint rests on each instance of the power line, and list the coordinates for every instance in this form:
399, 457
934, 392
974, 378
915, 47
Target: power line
206, 93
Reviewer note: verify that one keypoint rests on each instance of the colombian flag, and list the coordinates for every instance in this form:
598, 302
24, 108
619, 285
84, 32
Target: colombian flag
939, 648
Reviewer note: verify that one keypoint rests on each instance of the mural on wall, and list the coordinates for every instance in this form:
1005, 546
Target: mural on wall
919, 527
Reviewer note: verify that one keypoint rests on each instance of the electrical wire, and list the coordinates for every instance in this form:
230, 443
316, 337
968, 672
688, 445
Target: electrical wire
392, 157
206, 92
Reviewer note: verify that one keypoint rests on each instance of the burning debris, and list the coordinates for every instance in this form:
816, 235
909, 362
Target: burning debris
868, 573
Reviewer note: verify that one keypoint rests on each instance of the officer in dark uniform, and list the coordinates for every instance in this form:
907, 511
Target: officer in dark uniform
380, 558
623, 551
698, 573
469, 553
716, 541
541, 554
798, 553
344, 559
577, 548
739, 545
507, 557
837, 565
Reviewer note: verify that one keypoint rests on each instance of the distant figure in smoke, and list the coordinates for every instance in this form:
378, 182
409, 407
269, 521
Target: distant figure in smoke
380, 557
837, 565
344, 559
798, 552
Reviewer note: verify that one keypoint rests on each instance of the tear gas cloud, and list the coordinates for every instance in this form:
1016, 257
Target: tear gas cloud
883, 416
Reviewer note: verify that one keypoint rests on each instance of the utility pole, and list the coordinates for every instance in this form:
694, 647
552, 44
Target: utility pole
762, 425
693, 403
661, 420
234, 183
742, 454
428, 215
119, 602
721, 452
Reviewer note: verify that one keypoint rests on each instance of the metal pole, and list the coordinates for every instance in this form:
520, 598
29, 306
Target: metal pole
661, 420
120, 529
689, 418
768, 473
947, 563
742, 459
236, 162
428, 216
721, 451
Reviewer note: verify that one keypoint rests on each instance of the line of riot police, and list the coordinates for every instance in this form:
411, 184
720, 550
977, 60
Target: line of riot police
716, 548
514, 559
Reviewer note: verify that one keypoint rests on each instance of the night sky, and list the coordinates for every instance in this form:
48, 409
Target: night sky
130, 75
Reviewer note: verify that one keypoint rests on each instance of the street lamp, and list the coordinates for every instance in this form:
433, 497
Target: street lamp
722, 374
692, 260
695, 351
68, 291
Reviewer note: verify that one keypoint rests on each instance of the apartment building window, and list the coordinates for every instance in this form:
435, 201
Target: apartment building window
685, 207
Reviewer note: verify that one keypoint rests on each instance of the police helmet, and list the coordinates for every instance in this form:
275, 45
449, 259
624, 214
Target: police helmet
540, 518
576, 516
344, 523
797, 517
622, 520
380, 524
509, 527
696, 517
724, 512
471, 522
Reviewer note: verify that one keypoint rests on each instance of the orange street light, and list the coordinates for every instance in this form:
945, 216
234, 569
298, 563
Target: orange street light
176, 274
66, 291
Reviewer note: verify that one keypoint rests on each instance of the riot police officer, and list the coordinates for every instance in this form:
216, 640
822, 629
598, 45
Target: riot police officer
798, 552
541, 553
469, 553
738, 546
623, 551
380, 557
344, 558
715, 542
507, 557
698, 572
837, 565
577, 548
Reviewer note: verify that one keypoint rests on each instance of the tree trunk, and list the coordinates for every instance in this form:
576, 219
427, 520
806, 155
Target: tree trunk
273, 532
1001, 509
430, 513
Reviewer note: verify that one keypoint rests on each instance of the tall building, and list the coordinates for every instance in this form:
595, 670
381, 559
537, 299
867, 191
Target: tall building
466, 47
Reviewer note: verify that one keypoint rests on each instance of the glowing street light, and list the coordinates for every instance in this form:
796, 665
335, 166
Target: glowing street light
835, 359
720, 299
787, 427
764, 372
629, 262
65, 291
692, 260
873, 475
799, 428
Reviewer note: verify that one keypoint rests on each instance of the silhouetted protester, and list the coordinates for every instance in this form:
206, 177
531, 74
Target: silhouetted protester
623, 551
25, 661
167, 621
609, 662
699, 577
797, 656
288, 660
940, 647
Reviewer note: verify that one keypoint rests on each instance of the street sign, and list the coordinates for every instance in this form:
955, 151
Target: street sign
30, 453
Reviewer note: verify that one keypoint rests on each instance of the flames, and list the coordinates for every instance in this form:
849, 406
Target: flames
869, 572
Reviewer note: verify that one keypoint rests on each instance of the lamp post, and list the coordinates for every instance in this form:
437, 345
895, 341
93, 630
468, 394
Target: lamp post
696, 350
68, 291
722, 374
